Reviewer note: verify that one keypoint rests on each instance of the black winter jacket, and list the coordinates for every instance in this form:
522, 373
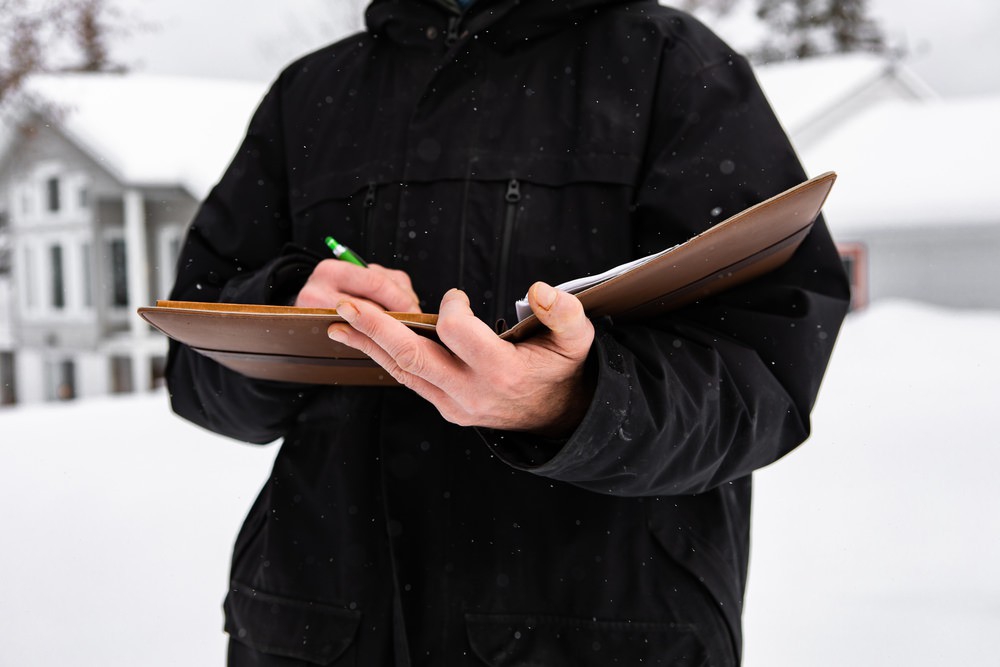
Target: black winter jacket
519, 141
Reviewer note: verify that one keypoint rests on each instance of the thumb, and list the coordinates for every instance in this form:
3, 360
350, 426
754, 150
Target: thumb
563, 314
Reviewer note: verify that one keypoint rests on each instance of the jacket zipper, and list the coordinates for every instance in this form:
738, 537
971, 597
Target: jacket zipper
369, 230
513, 198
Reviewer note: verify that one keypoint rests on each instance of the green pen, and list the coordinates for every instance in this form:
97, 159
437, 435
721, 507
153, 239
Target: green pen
343, 252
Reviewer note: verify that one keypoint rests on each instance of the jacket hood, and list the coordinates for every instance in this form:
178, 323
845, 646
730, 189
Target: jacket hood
407, 21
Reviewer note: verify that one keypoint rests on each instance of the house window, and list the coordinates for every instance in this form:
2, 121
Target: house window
52, 203
121, 375
174, 251
854, 257
61, 380
8, 390
58, 276
119, 273
4, 245
29, 278
169, 247
158, 368
88, 280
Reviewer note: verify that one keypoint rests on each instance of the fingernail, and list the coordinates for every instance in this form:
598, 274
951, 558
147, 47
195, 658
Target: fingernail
454, 292
347, 310
337, 333
545, 295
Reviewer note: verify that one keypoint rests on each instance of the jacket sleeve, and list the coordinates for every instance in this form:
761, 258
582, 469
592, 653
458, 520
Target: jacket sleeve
229, 256
711, 392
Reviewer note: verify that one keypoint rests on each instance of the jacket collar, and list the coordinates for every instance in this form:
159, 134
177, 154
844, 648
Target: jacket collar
507, 21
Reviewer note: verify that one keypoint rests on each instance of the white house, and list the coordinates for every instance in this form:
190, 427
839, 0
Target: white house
95, 167
918, 190
915, 210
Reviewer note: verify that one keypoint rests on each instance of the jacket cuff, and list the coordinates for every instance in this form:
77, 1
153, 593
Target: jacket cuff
277, 283
602, 422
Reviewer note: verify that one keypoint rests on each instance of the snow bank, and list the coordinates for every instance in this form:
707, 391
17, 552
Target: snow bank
117, 521
877, 542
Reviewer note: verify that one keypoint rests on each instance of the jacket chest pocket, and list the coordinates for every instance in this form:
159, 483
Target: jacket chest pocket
550, 229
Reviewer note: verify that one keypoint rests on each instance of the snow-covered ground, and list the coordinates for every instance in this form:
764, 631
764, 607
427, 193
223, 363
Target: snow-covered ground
877, 543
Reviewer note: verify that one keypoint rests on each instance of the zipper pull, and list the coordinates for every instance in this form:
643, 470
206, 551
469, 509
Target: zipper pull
513, 191
452, 35
370, 196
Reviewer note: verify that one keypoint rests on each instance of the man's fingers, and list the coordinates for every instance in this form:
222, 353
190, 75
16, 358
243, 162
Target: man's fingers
472, 376
393, 345
383, 286
469, 338
332, 280
563, 314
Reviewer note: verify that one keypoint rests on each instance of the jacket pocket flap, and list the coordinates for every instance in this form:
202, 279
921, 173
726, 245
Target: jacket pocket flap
506, 640
300, 629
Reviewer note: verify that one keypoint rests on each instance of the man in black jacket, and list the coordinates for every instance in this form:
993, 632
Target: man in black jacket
580, 499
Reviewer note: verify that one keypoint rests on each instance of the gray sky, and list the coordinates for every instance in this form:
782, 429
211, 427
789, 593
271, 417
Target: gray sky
953, 48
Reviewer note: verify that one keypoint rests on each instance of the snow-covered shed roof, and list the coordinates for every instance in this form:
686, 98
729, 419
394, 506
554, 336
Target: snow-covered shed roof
904, 165
152, 130
805, 92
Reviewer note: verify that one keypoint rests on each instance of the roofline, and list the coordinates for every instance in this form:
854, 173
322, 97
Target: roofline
921, 88
57, 126
891, 69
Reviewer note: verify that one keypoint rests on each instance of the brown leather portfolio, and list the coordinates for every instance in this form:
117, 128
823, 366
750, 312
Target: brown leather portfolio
291, 344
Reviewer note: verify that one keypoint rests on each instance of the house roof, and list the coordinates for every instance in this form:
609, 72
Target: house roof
904, 165
803, 91
152, 130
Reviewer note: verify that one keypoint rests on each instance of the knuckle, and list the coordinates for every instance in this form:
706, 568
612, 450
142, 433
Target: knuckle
376, 281
410, 358
504, 382
327, 269
312, 295
402, 278
448, 329
402, 377
307, 296
366, 346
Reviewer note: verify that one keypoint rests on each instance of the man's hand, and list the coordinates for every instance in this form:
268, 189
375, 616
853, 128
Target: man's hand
473, 377
333, 281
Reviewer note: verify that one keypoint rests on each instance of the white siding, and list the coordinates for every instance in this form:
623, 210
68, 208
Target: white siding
956, 267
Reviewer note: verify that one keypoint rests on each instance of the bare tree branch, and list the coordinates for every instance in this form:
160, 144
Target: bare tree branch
56, 35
